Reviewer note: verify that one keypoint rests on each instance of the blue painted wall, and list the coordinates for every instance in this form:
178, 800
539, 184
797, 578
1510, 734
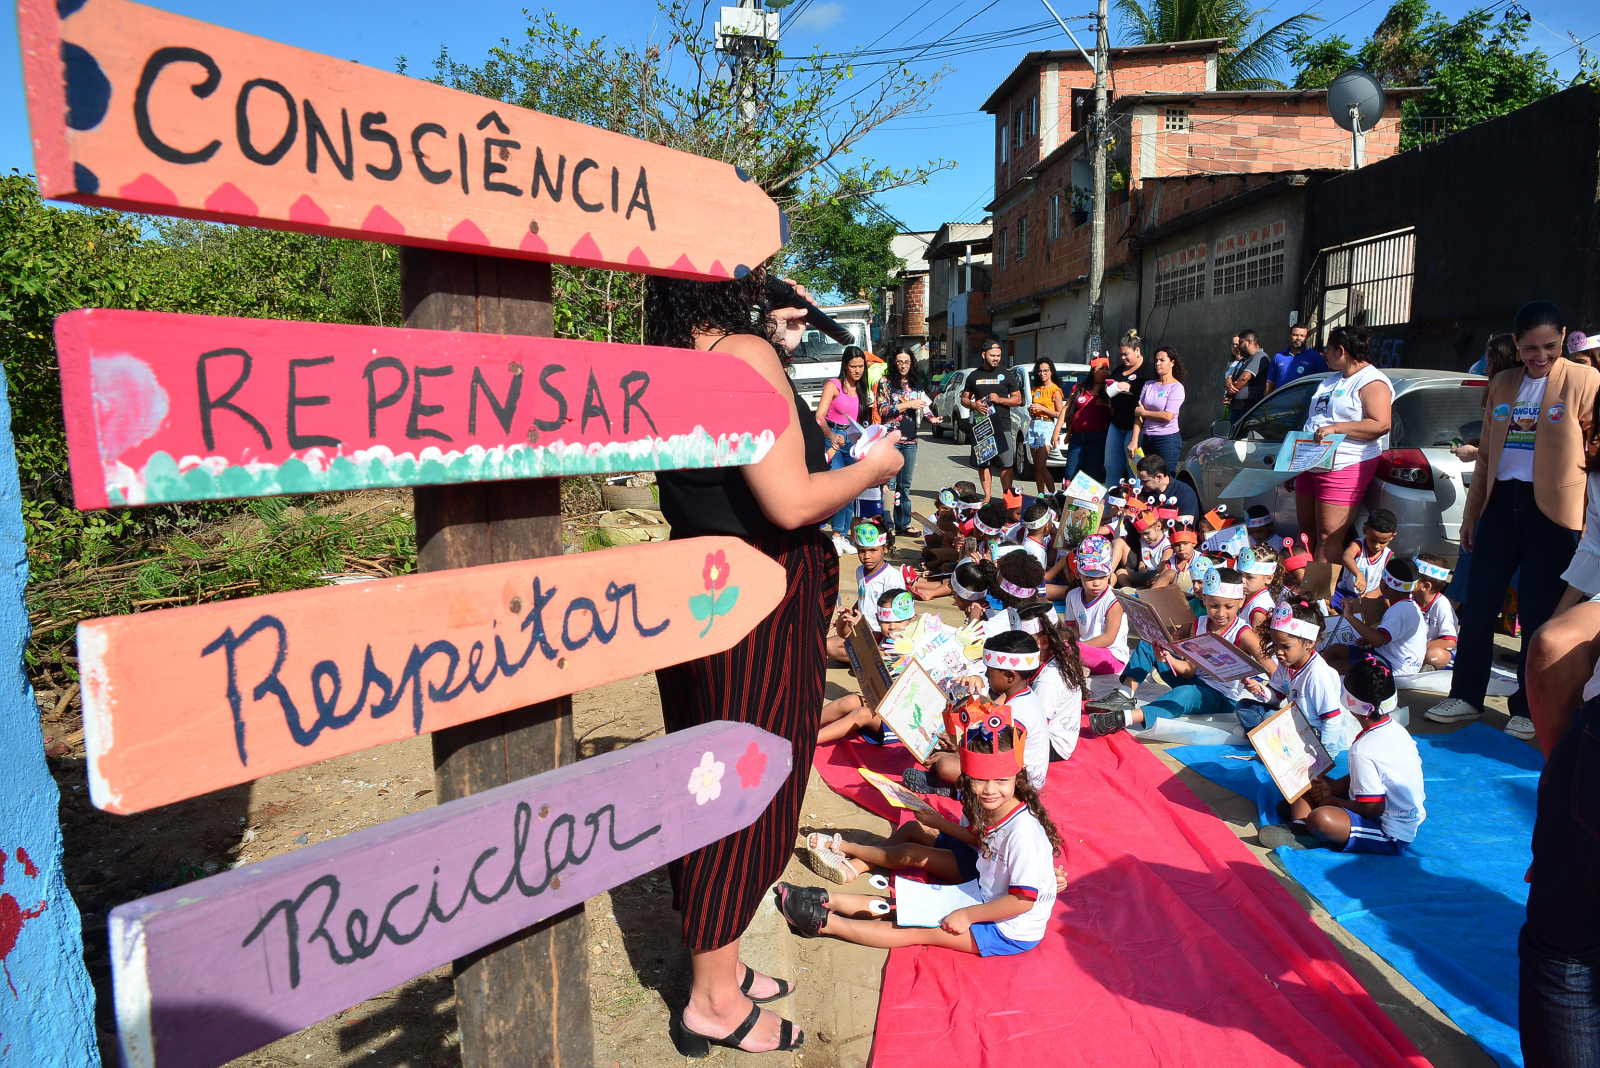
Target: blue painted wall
46, 1002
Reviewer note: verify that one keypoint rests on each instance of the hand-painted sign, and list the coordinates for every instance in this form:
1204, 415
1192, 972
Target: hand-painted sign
136, 108
164, 408
214, 969
187, 700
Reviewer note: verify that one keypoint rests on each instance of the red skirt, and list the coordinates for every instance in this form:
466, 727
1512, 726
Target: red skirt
774, 680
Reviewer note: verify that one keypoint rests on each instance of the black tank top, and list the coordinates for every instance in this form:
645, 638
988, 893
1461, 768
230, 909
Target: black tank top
718, 500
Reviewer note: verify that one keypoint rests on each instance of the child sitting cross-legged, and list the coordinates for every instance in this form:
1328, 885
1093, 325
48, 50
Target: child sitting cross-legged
1155, 552
970, 584
1433, 575
1400, 640
1303, 678
1093, 610
846, 715
1005, 841
1377, 808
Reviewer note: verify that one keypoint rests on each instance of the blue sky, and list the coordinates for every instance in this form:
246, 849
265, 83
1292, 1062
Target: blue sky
375, 32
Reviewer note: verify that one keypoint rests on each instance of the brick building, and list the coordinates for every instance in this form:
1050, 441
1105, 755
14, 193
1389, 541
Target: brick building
1177, 145
958, 293
905, 305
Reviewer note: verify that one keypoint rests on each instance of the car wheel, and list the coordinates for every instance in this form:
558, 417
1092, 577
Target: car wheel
963, 433
1024, 457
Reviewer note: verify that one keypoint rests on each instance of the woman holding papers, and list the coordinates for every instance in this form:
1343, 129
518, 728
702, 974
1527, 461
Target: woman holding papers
1354, 401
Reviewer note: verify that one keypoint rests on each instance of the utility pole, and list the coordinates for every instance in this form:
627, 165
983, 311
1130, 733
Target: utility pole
1093, 343
745, 35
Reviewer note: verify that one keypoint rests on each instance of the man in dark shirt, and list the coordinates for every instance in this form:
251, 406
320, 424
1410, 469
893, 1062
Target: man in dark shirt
1249, 384
990, 391
1296, 361
1123, 389
1153, 474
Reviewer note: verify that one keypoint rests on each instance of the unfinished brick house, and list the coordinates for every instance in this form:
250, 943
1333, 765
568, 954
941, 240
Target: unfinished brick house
1178, 146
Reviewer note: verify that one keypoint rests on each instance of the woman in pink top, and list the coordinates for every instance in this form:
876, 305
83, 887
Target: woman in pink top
845, 400
1156, 416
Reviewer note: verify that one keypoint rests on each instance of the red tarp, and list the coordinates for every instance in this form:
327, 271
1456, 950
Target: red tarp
1172, 945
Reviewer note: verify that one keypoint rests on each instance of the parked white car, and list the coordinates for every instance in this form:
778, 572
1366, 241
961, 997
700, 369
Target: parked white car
1419, 479
947, 406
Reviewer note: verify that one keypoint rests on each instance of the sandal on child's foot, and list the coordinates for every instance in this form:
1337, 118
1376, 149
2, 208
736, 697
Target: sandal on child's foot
1104, 723
806, 913
832, 865
819, 840
784, 988
918, 781
691, 1043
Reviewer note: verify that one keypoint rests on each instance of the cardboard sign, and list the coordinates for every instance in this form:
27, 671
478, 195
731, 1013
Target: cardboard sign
187, 700
162, 408
138, 109
1292, 751
217, 968
866, 662
984, 448
1319, 581
914, 710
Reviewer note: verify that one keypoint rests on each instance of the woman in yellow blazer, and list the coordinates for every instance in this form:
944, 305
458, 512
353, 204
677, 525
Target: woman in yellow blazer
1525, 505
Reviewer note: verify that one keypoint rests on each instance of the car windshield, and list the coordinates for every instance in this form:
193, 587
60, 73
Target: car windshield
1436, 416
817, 347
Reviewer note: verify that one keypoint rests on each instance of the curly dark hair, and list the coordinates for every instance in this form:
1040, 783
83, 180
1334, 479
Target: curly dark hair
1025, 792
674, 308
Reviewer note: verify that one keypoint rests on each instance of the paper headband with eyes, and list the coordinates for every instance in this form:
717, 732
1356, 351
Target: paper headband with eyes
1251, 566
1213, 586
1283, 619
899, 610
869, 535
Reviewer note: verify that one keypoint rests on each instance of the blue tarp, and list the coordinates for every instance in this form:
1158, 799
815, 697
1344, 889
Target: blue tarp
1446, 914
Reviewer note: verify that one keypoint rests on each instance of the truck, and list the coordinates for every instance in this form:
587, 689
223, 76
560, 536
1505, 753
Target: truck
817, 358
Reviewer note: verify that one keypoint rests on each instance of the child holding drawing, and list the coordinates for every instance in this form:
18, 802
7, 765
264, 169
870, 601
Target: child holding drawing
842, 717
874, 575
1005, 841
1377, 808
1302, 678
1365, 558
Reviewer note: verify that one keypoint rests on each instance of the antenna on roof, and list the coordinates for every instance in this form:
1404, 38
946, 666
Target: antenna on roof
1355, 100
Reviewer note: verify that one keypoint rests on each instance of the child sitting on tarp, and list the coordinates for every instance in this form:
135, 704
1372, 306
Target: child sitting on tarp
1005, 841
874, 575
1184, 543
1365, 558
1093, 613
1433, 575
1038, 532
1263, 583
1400, 640
1060, 681
1258, 523
992, 528
1194, 691
844, 716
1302, 678
1154, 551
970, 586
1377, 808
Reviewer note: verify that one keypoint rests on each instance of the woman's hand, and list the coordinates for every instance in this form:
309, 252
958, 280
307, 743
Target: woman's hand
1469, 536
1133, 448
957, 923
1320, 434
838, 440
885, 457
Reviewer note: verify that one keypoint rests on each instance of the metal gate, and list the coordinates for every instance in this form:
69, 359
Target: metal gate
1366, 283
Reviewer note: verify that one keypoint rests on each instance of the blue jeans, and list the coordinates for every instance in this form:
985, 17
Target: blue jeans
1188, 697
1559, 989
1169, 446
841, 519
1117, 454
902, 485
1512, 533
1086, 452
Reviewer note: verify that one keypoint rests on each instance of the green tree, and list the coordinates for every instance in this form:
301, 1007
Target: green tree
845, 251
1258, 49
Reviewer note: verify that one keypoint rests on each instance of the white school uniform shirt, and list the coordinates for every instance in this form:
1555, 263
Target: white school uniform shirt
1261, 599
1091, 620
1020, 861
1408, 638
1150, 555
1038, 550
1318, 692
1371, 569
1583, 574
1440, 617
1338, 400
887, 577
1385, 766
1063, 705
1028, 709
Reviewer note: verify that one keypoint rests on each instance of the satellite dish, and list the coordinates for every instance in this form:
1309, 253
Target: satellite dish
1355, 96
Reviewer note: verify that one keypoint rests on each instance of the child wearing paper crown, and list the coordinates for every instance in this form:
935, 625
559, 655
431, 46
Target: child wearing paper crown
1302, 678
1093, 611
1155, 551
1184, 543
1005, 841
1263, 582
1194, 691
1433, 575
1377, 808
1400, 640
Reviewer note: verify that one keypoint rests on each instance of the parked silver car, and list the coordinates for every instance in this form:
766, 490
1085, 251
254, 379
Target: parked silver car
1419, 479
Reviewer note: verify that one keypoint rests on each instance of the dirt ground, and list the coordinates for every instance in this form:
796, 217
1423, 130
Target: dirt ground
637, 967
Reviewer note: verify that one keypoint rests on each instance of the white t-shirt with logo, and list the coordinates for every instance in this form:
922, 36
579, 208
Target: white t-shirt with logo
1318, 692
1407, 647
1063, 705
1516, 457
1019, 858
1091, 620
887, 577
1440, 617
1338, 400
1028, 708
1385, 765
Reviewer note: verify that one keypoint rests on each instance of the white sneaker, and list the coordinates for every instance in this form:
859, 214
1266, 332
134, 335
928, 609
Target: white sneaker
1452, 710
843, 547
1520, 727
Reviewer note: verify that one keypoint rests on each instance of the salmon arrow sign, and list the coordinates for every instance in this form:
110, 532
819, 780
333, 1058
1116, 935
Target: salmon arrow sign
187, 700
163, 408
214, 969
135, 108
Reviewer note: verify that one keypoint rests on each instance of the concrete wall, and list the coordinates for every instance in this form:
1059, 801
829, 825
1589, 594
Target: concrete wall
1505, 212
47, 1005
1201, 330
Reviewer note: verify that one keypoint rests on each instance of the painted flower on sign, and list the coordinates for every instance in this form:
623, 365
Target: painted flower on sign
751, 767
705, 781
721, 598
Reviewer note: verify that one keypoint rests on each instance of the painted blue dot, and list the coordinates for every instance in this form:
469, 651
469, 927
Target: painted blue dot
88, 90
85, 179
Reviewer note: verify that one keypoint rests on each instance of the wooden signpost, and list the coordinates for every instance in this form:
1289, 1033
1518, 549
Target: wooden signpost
209, 971
256, 686
475, 405
164, 408
135, 108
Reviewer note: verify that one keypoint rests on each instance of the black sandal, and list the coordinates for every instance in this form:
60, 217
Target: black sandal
692, 1043
806, 912
784, 989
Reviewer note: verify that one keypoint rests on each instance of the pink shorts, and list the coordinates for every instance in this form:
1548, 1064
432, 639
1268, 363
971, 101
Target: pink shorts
1344, 485
1100, 661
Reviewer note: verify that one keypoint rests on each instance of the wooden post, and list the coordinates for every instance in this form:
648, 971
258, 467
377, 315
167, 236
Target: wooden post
522, 1001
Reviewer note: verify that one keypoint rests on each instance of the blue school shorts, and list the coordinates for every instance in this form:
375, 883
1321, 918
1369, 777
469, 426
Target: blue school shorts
966, 856
991, 943
1368, 836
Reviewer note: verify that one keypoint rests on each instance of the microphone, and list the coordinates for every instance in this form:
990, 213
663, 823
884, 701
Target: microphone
782, 295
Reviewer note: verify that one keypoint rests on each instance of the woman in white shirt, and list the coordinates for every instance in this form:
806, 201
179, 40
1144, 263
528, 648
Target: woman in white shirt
1355, 401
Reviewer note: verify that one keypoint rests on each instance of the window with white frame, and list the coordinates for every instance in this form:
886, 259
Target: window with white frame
1055, 216
1177, 120
1033, 117
1017, 127
1005, 142
1254, 267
